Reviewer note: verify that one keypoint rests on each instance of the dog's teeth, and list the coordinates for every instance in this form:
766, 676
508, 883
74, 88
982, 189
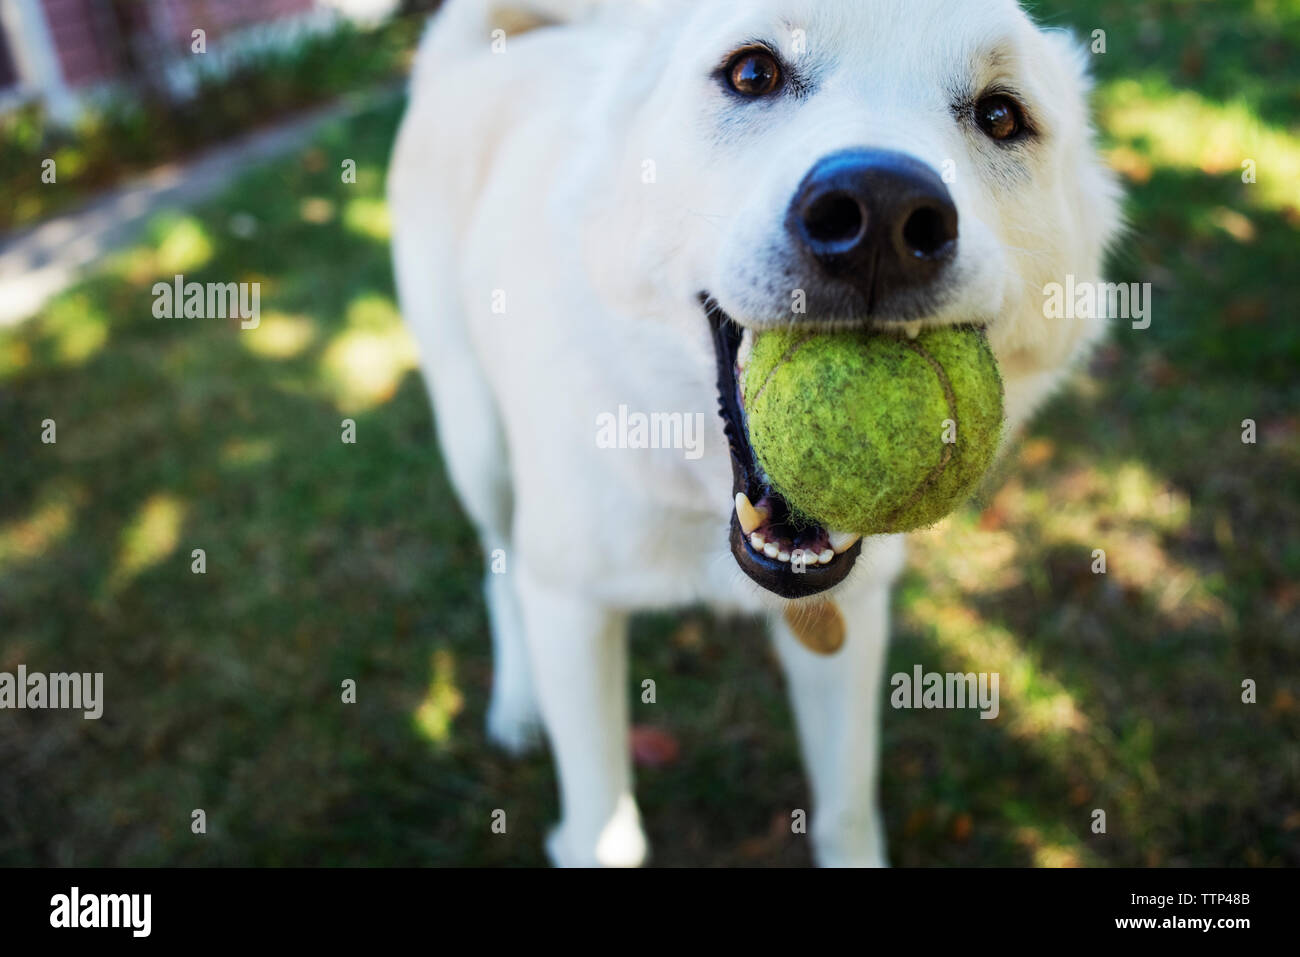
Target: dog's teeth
770, 550
756, 540
841, 542
749, 515
913, 328
825, 557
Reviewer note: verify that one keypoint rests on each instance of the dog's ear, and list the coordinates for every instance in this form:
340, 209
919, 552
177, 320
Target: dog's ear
1086, 223
516, 19
1068, 50
520, 16
1098, 205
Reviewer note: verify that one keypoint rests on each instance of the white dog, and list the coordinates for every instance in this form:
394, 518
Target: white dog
592, 213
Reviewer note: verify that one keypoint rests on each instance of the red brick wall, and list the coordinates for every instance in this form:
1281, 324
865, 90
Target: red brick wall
220, 16
86, 37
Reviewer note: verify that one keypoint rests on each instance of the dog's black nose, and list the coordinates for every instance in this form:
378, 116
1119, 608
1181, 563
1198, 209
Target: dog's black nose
882, 221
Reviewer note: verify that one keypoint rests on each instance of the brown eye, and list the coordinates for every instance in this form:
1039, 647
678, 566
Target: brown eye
754, 73
999, 117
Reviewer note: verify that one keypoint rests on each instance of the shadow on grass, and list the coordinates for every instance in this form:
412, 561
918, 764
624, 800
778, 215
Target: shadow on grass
328, 561
325, 561
1228, 51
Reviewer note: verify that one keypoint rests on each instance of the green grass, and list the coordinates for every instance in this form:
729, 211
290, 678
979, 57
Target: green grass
328, 561
118, 134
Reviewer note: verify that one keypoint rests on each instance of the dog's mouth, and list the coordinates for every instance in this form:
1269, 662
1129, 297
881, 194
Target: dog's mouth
781, 552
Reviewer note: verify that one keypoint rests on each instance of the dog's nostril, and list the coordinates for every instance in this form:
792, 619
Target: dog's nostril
834, 218
875, 221
927, 232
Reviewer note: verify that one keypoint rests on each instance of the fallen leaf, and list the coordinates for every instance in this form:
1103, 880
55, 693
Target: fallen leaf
653, 747
962, 825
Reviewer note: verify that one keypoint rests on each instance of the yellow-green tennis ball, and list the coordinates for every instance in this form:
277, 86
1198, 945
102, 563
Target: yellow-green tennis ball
872, 432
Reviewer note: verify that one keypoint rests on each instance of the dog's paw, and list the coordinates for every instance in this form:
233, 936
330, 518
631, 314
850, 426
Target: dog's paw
621, 842
855, 840
825, 859
517, 731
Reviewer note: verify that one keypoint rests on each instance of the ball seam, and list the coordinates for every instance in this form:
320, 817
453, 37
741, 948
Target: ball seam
951, 399
794, 347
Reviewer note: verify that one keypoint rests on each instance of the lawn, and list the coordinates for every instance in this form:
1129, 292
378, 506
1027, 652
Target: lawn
328, 561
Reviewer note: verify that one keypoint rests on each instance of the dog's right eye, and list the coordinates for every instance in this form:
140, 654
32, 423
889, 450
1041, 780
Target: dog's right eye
754, 73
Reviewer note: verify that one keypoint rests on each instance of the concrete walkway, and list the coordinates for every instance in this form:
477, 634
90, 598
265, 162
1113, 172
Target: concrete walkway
42, 261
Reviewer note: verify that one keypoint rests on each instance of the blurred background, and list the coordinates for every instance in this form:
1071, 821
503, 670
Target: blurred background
328, 561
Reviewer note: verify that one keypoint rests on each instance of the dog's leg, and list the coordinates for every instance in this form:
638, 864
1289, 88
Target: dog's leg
513, 720
836, 701
579, 662
470, 431
474, 450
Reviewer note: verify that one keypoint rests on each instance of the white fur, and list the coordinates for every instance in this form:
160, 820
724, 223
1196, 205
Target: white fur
521, 171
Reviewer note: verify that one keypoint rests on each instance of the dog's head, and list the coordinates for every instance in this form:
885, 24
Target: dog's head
891, 162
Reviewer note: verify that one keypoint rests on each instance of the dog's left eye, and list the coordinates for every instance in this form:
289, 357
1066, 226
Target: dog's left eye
754, 73
999, 116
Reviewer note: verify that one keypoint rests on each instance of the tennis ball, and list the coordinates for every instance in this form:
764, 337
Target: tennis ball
872, 432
